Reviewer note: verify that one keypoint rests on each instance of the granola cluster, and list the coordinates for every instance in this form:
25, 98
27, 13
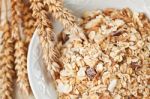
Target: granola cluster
113, 64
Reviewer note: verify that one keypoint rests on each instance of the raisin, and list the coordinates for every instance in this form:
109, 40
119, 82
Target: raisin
135, 66
116, 33
91, 72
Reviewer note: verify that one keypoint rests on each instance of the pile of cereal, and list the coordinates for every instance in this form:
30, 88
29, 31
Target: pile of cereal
113, 64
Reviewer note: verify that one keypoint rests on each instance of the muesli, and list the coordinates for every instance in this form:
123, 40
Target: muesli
113, 64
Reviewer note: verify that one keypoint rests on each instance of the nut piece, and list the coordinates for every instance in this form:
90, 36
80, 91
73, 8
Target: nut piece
99, 67
64, 88
112, 85
117, 96
81, 72
91, 72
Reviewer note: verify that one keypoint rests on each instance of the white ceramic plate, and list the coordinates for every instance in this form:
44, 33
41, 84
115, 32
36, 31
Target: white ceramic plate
40, 81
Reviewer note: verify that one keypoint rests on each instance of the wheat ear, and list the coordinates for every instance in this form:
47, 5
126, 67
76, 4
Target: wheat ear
20, 48
47, 36
65, 17
14, 20
21, 66
28, 22
7, 64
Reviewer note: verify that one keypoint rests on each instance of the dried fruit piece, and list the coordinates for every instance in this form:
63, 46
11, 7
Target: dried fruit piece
135, 65
91, 72
65, 37
116, 33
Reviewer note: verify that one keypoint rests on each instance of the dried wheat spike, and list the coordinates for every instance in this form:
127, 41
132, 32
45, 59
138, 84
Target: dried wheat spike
20, 48
28, 22
7, 64
15, 20
47, 36
65, 17
21, 66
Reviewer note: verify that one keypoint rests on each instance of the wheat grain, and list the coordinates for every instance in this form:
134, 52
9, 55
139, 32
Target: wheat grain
20, 47
65, 17
47, 36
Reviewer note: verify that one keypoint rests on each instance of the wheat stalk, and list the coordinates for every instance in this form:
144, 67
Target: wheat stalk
47, 36
20, 47
65, 17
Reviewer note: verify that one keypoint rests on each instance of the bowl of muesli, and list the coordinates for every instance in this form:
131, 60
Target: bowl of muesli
114, 62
